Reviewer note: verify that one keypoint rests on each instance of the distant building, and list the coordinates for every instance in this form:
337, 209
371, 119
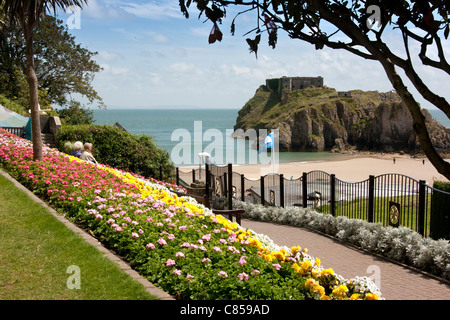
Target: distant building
344, 94
294, 83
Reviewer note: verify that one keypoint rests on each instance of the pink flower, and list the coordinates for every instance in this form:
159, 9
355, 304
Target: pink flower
170, 262
243, 276
189, 276
222, 274
170, 237
179, 254
255, 272
134, 235
98, 217
161, 242
242, 260
217, 249
206, 260
207, 237
276, 266
150, 246
223, 241
177, 272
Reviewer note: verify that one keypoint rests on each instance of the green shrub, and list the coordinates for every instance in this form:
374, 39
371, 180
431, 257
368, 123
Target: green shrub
119, 149
442, 185
13, 106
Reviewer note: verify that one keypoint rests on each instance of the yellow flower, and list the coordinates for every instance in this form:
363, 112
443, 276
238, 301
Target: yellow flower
279, 256
310, 282
355, 296
371, 296
306, 264
328, 271
318, 262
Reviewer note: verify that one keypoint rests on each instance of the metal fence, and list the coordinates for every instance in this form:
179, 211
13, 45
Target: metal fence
18, 131
390, 199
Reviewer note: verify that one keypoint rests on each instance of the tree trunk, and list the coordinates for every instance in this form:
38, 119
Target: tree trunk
33, 89
442, 166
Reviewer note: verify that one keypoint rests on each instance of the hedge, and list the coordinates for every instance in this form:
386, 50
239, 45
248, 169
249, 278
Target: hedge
120, 149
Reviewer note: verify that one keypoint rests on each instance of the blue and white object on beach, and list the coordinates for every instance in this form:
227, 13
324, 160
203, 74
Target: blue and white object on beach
268, 143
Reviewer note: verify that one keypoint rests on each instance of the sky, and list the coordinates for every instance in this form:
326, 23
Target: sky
153, 57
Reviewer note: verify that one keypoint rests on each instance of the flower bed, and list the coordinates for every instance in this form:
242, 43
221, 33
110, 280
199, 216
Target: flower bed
176, 243
399, 244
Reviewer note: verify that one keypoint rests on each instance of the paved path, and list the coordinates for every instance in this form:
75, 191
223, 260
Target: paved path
396, 282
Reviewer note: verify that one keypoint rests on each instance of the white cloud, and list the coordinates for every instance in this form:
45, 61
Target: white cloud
102, 9
154, 10
109, 57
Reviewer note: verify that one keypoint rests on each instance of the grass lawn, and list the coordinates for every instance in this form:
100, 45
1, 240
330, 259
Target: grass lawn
36, 251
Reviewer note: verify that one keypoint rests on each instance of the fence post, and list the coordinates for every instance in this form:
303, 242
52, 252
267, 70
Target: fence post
177, 176
333, 194
262, 190
281, 191
193, 175
304, 190
371, 198
225, 182
207, 179
230, 186
421, 216
242, 188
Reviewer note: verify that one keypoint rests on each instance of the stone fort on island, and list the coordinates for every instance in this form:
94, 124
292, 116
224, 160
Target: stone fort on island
293, 83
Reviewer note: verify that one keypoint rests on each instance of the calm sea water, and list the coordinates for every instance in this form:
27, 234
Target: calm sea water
186, 132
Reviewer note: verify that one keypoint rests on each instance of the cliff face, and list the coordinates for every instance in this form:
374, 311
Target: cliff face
317, 119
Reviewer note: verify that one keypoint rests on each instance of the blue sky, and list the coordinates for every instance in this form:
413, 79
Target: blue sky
154, 57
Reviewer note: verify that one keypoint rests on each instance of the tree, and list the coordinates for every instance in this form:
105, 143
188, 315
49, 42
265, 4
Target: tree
76, 114
27, 13
324, 23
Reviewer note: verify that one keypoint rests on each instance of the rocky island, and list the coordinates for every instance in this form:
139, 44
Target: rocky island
314, 117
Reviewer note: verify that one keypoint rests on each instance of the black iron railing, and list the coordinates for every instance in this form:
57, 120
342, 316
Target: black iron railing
390, 199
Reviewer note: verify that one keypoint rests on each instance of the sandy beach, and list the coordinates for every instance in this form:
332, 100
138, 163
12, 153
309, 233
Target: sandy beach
351, 168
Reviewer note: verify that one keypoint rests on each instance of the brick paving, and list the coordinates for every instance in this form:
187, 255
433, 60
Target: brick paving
396, 282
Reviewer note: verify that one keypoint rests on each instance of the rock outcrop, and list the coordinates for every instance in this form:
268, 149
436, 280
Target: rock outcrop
318, 119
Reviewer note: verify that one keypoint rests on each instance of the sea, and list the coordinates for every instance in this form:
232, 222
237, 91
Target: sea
186, 133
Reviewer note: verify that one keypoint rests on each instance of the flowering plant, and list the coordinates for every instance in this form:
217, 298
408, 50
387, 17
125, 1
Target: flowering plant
178, 244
